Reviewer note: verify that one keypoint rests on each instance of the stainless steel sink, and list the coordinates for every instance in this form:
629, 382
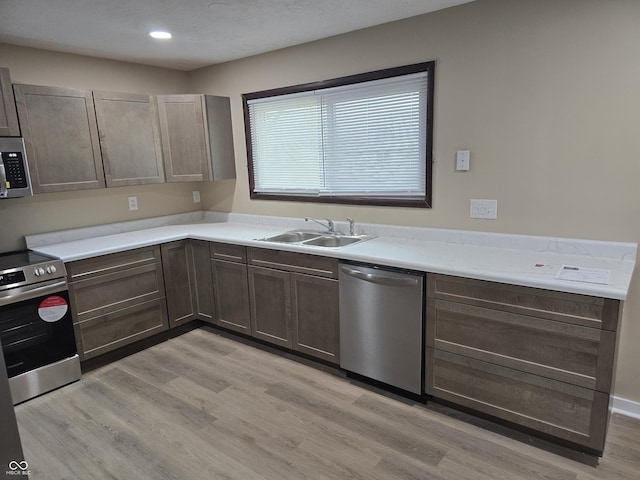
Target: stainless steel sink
316, 239
333, 241
292, 237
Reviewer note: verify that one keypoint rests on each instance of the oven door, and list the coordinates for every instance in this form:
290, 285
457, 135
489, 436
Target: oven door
36, 331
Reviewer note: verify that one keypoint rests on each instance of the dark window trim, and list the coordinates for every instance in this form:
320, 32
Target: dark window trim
428, 67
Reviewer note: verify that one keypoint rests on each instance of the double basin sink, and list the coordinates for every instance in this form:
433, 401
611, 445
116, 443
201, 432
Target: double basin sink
317, 239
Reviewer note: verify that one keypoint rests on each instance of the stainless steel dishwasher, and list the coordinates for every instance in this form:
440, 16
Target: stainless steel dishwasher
381, 324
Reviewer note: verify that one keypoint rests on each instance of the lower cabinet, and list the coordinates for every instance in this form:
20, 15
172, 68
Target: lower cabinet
270, 294
116, 299
294, 301
230, 287
315, 316
107, 332
537, 358
179, 280
205, 310
566, 411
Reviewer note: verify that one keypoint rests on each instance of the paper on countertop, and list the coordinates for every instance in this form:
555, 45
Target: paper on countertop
584, 274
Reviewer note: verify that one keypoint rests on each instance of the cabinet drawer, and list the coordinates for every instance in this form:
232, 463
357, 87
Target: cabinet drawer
107, 332
566, 352
564, 307
98, 295
228, 252
114, 261
559, 409
294, 262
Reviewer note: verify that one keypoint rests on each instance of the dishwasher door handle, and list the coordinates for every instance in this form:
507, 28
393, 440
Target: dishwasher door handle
381, 279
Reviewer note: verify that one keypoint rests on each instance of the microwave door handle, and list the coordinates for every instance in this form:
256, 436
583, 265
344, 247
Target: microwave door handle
3, 180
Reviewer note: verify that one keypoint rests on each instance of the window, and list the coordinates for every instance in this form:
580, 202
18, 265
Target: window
364, 139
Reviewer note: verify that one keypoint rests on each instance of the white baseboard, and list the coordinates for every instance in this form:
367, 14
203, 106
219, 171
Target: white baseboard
626, 407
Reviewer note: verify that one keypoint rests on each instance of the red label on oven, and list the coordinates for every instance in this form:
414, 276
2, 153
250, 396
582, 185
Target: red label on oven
53, 308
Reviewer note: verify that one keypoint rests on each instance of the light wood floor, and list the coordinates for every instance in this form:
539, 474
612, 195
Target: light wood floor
202, 406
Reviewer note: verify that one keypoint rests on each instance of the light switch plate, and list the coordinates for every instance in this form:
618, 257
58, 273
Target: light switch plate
487, 209
196, 196
462, 160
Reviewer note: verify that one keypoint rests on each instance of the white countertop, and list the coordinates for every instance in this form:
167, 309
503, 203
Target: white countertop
515, 259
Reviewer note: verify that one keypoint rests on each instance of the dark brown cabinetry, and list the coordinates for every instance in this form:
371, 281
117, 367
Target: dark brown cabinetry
538, 358
116, 299
315, 316
179, 281
8, 116
129, 138
230, 287
294, 301
79, 139
197, 141
203, 280
61, 138
270, 294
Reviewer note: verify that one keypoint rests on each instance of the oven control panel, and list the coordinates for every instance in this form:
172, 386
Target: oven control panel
11, 278
43, 271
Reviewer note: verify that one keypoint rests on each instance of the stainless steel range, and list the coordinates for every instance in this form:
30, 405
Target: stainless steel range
36, 327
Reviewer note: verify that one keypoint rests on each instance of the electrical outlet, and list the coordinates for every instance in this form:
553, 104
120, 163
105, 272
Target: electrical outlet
133, 203
487, 209
196, 196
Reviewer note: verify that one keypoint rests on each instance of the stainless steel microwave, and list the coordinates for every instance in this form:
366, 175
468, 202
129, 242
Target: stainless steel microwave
14, 170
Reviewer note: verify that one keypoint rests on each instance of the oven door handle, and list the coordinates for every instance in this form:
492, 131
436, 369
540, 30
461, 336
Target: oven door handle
28, 292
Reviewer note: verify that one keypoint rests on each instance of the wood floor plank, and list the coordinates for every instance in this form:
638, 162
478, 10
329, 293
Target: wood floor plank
205, 406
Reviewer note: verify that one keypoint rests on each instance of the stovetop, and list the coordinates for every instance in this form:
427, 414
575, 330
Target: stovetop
26, 267
23, 258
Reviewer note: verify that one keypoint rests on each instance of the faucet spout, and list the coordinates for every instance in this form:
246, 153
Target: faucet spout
352, 226
329, 225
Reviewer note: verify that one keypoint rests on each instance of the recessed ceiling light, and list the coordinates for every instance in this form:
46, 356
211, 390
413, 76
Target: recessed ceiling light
160, 34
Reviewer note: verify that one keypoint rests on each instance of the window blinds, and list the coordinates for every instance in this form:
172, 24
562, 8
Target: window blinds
361, 140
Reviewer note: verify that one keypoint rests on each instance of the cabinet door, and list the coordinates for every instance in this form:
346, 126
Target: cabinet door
203, 280
231, 295
178, 280
270, 294
8, 117
316, 316
185, 143
223, 162
129, 138
61, 137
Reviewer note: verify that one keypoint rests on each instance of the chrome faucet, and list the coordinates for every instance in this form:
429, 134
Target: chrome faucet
329, 225
352, 226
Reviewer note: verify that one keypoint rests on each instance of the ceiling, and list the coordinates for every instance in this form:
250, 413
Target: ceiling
205, 32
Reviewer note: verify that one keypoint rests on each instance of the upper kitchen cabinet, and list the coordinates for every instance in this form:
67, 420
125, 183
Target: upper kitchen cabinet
61, 137
8, 117
197, 142
129, 138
